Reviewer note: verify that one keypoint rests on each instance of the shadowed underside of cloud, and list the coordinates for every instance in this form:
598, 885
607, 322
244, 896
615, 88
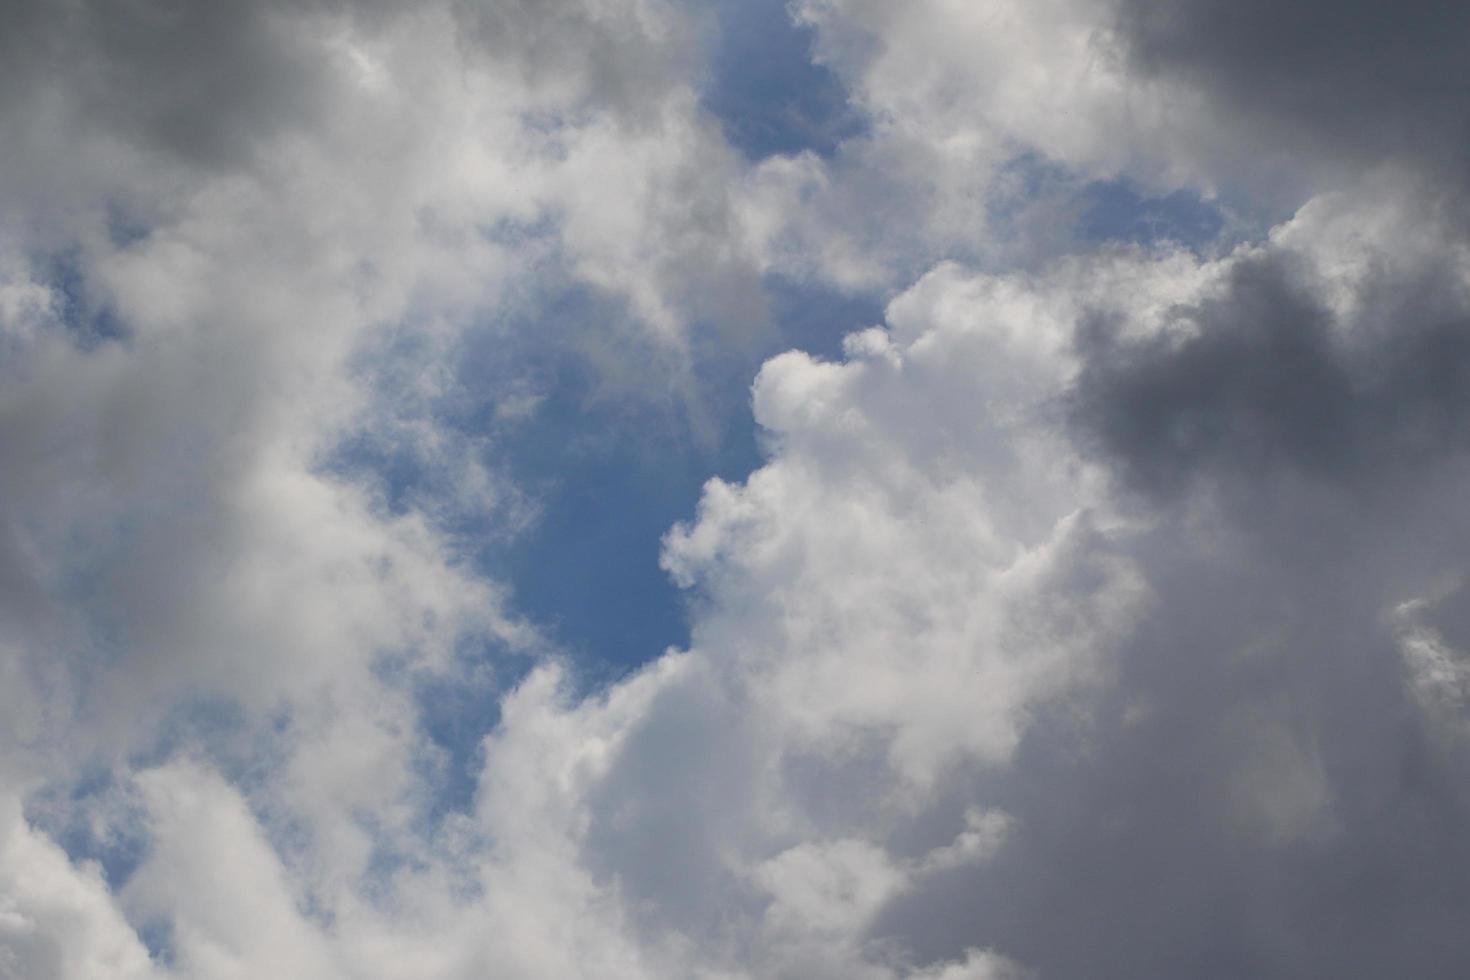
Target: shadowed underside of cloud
1359, 79
1100, 612
1263, 378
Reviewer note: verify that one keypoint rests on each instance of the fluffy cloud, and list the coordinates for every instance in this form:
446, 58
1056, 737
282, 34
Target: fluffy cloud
56, 919
1095, 614
223, 222
988, 122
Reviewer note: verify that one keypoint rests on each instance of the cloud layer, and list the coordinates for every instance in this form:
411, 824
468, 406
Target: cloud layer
1097, 613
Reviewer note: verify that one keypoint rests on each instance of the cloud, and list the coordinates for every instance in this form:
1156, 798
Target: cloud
1328, 356
1259, 729
57, 919
222, 220
1097, 613
988, 124
1353, 81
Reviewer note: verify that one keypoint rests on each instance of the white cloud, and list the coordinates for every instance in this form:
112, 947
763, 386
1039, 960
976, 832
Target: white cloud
172, 536
906, 738
57, 919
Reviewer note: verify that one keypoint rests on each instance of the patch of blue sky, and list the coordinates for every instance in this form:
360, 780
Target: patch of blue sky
763, 85
67, 813
85, 315
456, 711
815, 318
157, 936
1119, 210
555, 395
611, 468
1042, 202
216, 728
614, 471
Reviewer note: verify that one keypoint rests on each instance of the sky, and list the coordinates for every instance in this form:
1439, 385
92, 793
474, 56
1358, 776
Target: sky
716, 490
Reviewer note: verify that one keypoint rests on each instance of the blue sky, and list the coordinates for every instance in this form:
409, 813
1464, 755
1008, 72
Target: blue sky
765, 87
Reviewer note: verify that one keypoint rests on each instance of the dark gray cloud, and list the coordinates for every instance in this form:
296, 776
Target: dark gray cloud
201, 82
1260, 793
1271, 809
598, 56
1262, 377
1360, 79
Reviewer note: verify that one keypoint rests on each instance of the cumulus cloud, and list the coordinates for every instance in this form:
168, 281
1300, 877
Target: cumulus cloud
57, 919
1097, 613
971, 106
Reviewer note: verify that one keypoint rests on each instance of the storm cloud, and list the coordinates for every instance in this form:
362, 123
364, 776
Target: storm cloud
1363, 81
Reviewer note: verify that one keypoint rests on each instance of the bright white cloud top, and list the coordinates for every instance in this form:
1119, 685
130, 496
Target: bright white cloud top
1099, 613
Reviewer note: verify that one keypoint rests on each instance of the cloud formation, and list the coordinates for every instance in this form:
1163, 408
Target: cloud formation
1098, 613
